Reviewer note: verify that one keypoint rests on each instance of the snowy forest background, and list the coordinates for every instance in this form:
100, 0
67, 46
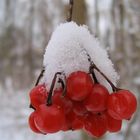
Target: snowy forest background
25, 29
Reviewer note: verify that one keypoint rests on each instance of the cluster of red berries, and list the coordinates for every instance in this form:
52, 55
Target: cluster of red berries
86, 105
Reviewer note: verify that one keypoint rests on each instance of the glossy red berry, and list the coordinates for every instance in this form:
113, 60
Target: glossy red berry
49, 119
113, 125
38, 95
79, 108
68, 121
62, 101
77, 123
79, 85
32, 123
122, 104
97, 100
73, 122
96, 125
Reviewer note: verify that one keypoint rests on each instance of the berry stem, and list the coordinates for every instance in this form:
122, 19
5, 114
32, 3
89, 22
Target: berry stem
49, 99
93, 75
65, 87
30, 106
40, 76
114, 88
71, 3
62, 83
91, 69
37, 81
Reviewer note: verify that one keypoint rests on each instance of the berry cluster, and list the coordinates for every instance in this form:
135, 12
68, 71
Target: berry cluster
81, 103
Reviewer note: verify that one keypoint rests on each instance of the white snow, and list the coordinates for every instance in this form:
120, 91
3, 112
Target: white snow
65, 52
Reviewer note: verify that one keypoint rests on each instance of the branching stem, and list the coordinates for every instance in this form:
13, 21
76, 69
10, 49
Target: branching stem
64, 86
114, 88
94, 67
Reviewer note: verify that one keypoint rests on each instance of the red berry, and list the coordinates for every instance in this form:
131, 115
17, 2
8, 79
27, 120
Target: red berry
68, 121
77, 123
96, 125
79, 108
97, 100
38, 95
79, 85
73, 122
32, 123
122, 104
113, 125
49, 119
62, 101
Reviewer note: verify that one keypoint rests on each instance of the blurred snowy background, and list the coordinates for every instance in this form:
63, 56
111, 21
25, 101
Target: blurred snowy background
25, 28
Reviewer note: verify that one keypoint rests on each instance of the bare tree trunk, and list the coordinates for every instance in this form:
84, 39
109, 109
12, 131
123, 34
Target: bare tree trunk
79, 12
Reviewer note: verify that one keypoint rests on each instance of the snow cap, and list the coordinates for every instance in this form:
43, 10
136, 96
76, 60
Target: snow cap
66, 53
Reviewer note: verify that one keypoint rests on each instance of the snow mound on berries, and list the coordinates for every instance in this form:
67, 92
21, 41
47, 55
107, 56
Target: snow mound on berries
66, 52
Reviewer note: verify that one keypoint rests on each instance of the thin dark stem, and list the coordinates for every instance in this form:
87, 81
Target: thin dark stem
49, 99
91, 69
38, 80
40, 76
114, 88
30, 106
65, 87
71, 3
62, 83
93, 75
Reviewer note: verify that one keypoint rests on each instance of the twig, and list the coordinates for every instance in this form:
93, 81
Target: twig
71, 3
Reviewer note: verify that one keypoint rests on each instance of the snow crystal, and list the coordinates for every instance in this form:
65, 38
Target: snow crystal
66, 53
